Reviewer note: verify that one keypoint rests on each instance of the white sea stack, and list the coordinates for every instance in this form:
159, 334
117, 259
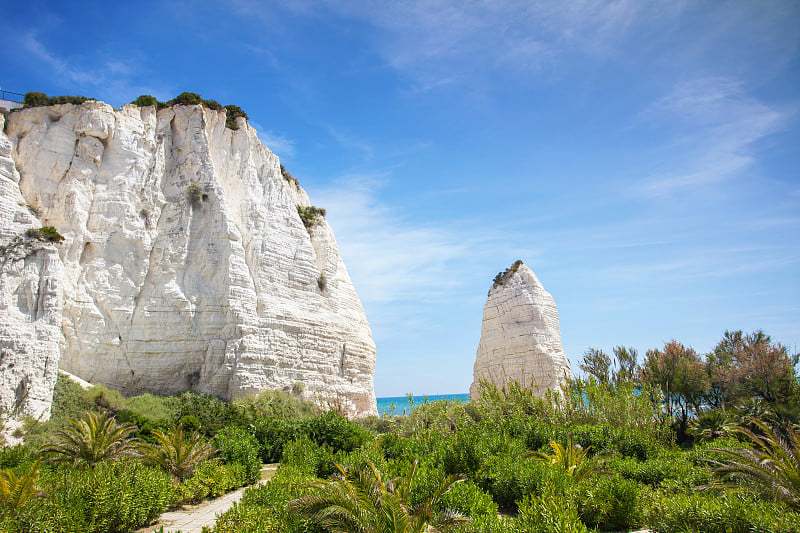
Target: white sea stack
223, 291
520, 337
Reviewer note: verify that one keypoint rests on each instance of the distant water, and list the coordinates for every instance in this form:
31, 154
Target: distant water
401, 405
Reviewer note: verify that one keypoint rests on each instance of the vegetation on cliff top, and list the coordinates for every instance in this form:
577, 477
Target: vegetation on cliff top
232, 112
502, 277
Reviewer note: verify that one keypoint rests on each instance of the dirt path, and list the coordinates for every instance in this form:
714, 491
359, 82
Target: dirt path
192, 519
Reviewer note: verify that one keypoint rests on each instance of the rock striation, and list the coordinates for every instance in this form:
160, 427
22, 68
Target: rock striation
520, 337
31, 281
185, 264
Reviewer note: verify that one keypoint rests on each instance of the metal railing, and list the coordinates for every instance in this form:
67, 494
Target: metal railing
11, 97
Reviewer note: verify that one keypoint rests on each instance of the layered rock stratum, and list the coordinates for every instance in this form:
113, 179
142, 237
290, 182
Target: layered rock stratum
520, 336
185, 264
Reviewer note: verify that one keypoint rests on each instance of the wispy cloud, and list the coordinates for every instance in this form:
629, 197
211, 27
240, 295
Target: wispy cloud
279, 144
722, 122
114, 78
391, 258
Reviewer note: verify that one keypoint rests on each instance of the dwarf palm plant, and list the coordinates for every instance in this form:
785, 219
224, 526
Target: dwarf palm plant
15, 491
360, 501
95, 438
176, 452
711, 425
571, 458
772, 465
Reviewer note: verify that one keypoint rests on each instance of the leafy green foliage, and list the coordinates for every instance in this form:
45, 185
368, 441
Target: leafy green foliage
772, 465
234, 112
549, 512
210, 479
110, 497
86, 442
361, 501
310, 215
265, 508
16, 491
186, 98
333, 430
272, 435
609, 503
195, 192
710, 425
508, 479
570, 458
287, 176
38, 99
502, 277
146, 100
45, 233
238, 446
729, 513
175, 452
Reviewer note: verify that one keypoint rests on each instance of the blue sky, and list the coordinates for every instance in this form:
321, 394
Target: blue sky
642, 157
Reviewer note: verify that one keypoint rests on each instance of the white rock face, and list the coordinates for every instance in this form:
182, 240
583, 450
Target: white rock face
520, 337
226, 293
31, 281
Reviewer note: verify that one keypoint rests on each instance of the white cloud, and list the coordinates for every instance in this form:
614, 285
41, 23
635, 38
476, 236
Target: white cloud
110, 79
723, 124
390, 257
277, 143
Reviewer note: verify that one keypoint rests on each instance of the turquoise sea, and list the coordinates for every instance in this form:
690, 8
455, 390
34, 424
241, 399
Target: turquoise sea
402, 406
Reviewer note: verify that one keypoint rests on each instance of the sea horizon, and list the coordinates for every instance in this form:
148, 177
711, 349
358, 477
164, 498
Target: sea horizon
402, 406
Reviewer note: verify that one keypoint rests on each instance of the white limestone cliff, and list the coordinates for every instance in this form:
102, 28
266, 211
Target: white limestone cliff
224, 291
520, 337
31, 280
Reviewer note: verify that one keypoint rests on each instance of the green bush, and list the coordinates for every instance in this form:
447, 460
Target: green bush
264, 509
333, 430
236, 445
550, 512
609, 503
14, 456
272, 435
210, 414
396, 447
731, 512
186, 99
37, 99
212, 104
146, 100
465, 452
110, 497
210, 479
538, 436
310, 215
305, 455
509, 478
233, 112
45, 233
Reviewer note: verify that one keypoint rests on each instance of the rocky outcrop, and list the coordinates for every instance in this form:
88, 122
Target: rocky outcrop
520, 338
186, 264
31, 281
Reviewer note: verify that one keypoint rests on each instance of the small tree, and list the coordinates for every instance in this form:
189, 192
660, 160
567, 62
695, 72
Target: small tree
597, 364
681, 375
